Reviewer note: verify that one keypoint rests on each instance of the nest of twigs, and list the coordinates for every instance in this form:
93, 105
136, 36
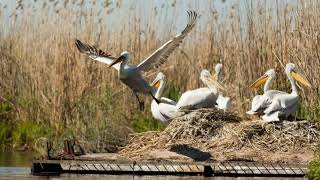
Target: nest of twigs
223, 136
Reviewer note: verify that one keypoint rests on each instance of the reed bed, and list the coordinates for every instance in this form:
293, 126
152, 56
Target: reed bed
44, 79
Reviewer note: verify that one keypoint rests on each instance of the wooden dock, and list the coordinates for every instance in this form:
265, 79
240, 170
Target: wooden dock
50, 167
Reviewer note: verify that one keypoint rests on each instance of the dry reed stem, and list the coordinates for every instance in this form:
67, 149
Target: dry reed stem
39, 61
225, 135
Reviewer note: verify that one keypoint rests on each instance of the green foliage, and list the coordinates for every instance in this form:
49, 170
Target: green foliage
5, 110
22, 133
171, 91
27, 132
5, 133
314, 170
142, 122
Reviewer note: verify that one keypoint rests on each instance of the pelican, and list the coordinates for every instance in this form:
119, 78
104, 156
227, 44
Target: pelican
166, 109
286, 104
130, 74
223, 103
261, 102
201, 97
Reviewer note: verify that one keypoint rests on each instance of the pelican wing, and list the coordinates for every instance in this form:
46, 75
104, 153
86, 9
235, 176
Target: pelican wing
161, 55
168, 101
198, 98
283, 103
223, 103
96, 54
167, 110
261, 102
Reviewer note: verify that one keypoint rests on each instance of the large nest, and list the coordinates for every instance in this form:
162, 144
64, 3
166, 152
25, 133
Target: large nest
209, 134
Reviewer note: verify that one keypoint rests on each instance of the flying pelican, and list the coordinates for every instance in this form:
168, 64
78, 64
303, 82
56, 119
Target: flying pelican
261, 102
286, 104
130, 74
166, 109
201, 97
223, 103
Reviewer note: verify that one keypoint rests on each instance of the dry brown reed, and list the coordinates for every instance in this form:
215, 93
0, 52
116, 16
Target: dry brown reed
47, 79
225, 137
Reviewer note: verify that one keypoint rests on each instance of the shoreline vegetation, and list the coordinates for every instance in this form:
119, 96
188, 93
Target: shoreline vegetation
49, 90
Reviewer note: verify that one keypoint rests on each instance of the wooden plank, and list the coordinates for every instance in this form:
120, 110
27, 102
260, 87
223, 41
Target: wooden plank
150, 167
145, 168
153, 167
161, 168
114, 167
125, 167
169, 168
137, 167
178, 168
99, 167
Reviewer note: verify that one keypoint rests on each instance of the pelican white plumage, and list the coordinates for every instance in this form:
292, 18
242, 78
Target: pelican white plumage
130, 74
285, 104
166, 109
201, 97
222, 102
261, 102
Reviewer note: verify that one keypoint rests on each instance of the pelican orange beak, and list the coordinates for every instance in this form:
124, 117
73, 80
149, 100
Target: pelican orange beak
156, 84
121, 58
300, 79
214, 76
261, 80
216, 83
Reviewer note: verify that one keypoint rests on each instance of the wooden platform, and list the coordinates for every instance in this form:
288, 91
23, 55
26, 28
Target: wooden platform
48, 167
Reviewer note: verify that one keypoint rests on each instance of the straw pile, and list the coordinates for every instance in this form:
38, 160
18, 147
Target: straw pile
211, 135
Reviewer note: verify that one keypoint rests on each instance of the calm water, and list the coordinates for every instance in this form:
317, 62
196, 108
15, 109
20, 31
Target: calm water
16, 165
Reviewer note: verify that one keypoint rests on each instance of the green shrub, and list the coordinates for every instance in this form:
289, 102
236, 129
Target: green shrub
314, 170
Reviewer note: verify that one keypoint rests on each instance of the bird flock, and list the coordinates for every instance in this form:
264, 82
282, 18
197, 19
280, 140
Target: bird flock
272, 105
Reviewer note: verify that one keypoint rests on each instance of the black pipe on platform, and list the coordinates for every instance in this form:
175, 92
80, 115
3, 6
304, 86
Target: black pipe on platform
44, 169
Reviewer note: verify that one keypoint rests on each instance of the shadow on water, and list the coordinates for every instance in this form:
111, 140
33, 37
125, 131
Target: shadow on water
10, 158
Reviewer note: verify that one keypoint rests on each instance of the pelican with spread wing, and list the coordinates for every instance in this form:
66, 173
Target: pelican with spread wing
130, 74
166, 109
285, 104
202, 97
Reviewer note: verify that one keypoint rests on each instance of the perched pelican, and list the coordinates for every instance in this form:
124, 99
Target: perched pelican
166, 109
286, 104
260, 102
201, 97
223, 103
130, 74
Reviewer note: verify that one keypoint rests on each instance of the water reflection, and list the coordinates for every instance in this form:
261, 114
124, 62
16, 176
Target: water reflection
10, 158
126, 177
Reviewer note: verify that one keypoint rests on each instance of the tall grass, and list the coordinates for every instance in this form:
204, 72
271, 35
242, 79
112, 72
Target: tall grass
46, 80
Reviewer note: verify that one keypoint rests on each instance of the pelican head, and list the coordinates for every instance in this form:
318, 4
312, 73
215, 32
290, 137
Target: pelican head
292, 70
207, 79
205, 75
263, 79
124, 57
125, 54
160, 78
217, 70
